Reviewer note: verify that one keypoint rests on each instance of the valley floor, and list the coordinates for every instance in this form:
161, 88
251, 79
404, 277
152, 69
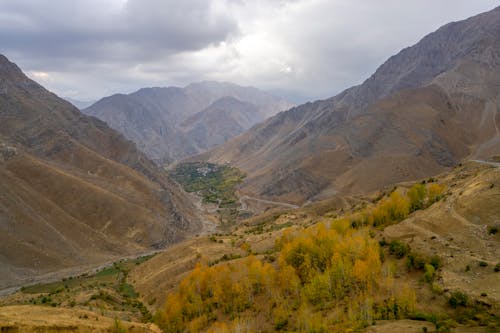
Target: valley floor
461, 229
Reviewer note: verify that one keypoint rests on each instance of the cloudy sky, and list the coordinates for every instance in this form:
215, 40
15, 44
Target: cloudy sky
87, 49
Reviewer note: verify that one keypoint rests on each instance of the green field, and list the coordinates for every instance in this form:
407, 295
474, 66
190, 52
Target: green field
107, 289
216, 184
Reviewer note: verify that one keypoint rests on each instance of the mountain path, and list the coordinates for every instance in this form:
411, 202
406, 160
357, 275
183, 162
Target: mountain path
276, 203
495, 164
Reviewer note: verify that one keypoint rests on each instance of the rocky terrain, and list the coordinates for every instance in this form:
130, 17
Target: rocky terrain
74, 192
172, 123
424, 110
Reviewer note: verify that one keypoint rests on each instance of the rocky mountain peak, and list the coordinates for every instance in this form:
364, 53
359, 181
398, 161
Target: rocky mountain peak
476, 39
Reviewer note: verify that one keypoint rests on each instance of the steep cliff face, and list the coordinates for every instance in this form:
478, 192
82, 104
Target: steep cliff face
422, 111
73, 191
160, 120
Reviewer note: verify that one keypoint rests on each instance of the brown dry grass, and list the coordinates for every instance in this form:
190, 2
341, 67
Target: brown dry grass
456, 230
30, 318
59, 216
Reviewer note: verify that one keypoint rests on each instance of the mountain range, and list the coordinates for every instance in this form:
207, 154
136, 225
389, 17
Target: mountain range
172, 123
423, 111
397, 179
74, 192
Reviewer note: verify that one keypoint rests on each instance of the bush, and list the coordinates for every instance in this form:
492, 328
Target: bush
492, 230
436, 289
416, 195
415, 261
435, 262
118, 327
429, 273
483, 264
497, 267
398, 249
458, 298
444, 326
422, 316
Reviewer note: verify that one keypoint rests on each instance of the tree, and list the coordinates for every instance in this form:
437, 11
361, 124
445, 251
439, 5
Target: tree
416, 195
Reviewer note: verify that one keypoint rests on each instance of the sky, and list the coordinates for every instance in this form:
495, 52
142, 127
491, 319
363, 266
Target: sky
88, 49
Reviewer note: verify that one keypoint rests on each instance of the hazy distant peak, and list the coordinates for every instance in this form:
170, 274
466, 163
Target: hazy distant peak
156, 118
79, 104
228, 100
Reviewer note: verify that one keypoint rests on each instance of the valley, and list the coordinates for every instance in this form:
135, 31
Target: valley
214, 188
216, 207
408, 240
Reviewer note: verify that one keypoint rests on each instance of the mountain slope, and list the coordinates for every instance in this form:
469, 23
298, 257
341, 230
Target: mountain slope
69, 184
225, 118
453, 232
151, 117
422, 111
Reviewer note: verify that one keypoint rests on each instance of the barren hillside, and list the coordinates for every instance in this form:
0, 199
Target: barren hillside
73, 191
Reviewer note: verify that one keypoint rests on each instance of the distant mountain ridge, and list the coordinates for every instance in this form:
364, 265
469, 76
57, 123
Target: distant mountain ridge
156, 119
78, 103
74, 192
422, 111
225, 118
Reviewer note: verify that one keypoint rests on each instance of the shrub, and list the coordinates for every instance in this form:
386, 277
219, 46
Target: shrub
429, 273
458, 298
444, 326
435, 262
422, 316
398, 249
118, 327
436, 289
483, 264
497, 267
415, 261
416, 195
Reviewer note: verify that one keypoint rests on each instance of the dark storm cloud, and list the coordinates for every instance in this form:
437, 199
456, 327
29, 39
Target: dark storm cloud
87, 49
132, 31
